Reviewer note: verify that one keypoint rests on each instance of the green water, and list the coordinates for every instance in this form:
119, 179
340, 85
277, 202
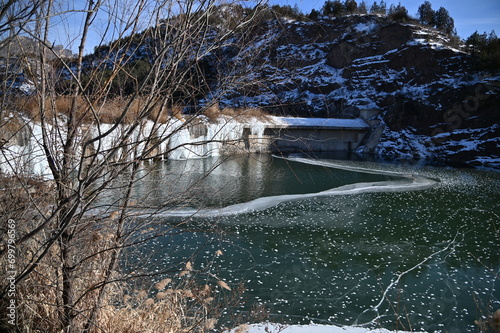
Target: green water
220, 182
414, 258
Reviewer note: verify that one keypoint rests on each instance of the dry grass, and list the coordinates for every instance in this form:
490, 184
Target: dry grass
23, 198
31, 107
109, 111
10, 126
170, 310
163, 116
214, 111
183, 306
489, 323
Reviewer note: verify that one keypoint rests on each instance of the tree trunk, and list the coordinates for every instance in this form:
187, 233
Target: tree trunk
67, 315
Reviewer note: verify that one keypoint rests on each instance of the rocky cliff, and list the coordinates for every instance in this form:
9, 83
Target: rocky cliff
428, 101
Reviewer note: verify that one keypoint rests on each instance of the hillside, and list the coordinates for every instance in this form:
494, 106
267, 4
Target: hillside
424, 96
431, 103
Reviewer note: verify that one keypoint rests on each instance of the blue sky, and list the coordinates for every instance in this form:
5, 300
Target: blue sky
469, 16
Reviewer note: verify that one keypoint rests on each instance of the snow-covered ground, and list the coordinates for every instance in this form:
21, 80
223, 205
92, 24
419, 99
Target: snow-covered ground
312, 328
321, 122
407, 145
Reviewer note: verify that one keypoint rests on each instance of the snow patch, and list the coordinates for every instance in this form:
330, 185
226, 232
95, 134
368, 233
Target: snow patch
405, 144
311, 328
322, 122
366, 27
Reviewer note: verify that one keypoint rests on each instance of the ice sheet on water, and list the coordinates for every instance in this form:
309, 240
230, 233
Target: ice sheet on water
407, 182
323, 122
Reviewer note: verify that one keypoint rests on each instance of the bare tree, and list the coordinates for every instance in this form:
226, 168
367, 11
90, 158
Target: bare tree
68, 242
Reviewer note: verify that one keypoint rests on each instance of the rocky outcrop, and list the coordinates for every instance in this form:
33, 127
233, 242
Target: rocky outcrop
22, 45
419, 80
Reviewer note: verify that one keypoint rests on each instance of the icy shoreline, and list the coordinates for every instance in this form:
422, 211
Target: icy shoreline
311, 328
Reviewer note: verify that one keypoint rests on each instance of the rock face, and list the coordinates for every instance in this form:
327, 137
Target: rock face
431, 104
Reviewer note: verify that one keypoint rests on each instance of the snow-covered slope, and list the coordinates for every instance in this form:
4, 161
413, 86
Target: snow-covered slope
431, 103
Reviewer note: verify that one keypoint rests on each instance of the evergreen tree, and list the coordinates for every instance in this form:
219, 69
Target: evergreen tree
327, 8
485, 49
314, 15
475, 43
350, 6
492, 36
398, 13
443, 21
493, 52
287, 11
392, 10
333, 8
374, 9
383, 8
362, 8
426, 14
297, 10
338, 8
379, 9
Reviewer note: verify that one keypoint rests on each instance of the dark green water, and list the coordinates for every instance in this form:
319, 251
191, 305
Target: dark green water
428, 254
214, 182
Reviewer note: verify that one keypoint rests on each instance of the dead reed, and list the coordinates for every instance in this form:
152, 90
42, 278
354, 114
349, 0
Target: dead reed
214, 111
107, 111
179, 303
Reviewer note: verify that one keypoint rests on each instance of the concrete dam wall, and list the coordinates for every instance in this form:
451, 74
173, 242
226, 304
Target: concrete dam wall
203, 138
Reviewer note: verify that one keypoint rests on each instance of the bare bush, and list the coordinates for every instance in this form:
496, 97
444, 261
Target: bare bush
69, 241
